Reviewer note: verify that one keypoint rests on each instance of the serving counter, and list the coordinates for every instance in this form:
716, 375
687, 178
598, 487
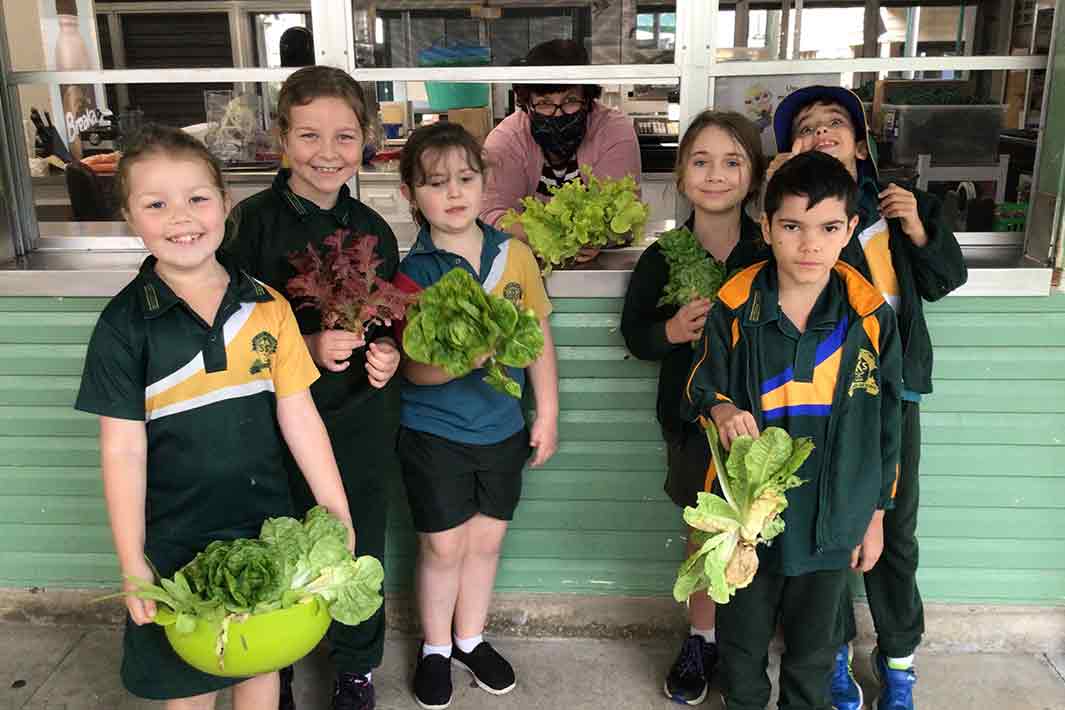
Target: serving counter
98, 258
594, 521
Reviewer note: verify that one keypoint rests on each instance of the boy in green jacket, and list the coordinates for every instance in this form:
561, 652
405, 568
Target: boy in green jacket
903, 245
805, 343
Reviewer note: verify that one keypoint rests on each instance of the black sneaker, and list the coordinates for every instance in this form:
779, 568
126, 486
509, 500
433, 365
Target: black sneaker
353, 691
286, 701
432, 681
690, 675
491, 671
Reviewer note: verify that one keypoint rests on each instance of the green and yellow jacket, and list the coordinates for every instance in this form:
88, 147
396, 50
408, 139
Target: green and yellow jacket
844, 374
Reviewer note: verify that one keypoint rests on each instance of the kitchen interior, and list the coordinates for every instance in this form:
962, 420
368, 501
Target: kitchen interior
969, 136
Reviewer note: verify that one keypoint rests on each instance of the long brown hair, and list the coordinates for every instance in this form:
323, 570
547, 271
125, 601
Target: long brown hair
742, 131
154, 139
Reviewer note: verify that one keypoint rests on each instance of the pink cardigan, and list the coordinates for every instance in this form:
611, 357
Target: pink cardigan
515, 161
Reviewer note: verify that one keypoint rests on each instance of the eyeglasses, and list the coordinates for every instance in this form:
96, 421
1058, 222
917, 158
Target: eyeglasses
547, 108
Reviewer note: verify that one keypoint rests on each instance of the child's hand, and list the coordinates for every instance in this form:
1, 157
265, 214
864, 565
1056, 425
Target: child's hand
687, 324
865, 555
382, 361
898, 202
732, 422
330, 349
585, 254
799, 145
480, 360
142, 611
543, 437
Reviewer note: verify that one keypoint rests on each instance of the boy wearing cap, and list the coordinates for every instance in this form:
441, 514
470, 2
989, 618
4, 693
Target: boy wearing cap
905, 248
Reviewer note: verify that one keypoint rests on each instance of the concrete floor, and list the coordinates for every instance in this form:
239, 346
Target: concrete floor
75, 668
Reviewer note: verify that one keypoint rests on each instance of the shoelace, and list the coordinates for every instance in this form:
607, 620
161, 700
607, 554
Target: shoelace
691, 658
898, 688
841, 677
352, 693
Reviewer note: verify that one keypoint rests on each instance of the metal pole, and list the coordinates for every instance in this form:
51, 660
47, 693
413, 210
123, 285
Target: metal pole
913, 24
695, 55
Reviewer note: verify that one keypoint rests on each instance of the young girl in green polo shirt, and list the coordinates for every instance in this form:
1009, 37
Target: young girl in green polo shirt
719, 165
191, 404
323, 120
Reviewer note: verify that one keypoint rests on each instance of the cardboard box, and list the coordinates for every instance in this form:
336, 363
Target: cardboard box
478, 121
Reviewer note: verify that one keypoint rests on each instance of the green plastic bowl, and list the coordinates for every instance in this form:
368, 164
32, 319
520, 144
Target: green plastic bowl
261, 644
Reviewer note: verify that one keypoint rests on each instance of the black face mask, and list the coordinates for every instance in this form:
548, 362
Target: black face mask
559, 135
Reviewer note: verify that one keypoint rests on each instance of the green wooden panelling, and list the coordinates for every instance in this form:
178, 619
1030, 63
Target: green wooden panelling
595, 519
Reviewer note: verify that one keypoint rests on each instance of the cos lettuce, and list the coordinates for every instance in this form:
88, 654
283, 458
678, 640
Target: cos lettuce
591, 212
455, 322
754, 480
289, 563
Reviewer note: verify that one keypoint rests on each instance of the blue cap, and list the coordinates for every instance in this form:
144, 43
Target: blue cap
796, 101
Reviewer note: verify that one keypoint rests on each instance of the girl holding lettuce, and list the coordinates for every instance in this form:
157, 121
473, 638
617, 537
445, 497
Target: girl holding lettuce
719, 167
200, 379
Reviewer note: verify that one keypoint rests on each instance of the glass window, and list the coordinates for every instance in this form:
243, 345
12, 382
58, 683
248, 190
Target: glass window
232, 122
474, 33
838, 32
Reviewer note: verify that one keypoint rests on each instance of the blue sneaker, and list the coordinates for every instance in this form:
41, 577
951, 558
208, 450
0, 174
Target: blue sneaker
896, 686
845, 691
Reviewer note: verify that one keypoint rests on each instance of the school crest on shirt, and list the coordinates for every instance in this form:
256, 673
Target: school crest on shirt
264, 345
864, 379
512, 292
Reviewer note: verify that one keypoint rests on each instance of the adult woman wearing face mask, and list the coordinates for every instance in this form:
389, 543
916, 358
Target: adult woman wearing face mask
558, 128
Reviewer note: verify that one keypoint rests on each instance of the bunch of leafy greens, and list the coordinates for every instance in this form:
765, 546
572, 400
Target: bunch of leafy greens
343, 285
754, 480
591, 212
291, 562
693, 272
455, 322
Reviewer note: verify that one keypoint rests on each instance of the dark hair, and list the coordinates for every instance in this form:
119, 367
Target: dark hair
436, 137
742, 131
555, 53
309, 83
296, 47
153, 139
816, 176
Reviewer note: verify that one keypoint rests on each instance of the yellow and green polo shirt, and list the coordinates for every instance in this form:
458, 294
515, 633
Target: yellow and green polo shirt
207, 394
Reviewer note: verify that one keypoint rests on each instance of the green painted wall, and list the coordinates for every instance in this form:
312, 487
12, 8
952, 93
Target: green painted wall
595, 520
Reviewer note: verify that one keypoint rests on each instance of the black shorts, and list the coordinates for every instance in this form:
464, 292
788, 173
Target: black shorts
448, 482
688, 459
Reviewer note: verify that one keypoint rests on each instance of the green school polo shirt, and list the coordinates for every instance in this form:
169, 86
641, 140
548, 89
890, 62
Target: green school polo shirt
262, 231
796, 381
207, 394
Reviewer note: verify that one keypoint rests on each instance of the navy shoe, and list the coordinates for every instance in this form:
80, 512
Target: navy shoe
689, 677
896, 686
353, 691
845, 691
